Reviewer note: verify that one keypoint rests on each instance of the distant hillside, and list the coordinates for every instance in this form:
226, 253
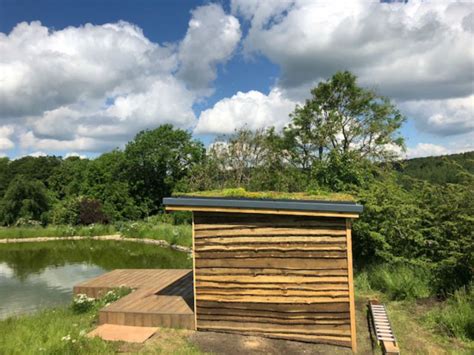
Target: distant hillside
440, 169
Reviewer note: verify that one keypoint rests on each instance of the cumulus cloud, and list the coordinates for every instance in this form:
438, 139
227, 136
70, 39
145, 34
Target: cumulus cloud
418, 49
93, 87
443, 117
252, 109
5, 137
211, 39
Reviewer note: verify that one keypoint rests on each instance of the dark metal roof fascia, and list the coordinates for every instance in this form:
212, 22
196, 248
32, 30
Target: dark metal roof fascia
297, 205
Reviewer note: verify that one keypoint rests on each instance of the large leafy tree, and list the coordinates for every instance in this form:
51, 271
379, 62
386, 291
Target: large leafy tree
24, 198
156, 160
343, 118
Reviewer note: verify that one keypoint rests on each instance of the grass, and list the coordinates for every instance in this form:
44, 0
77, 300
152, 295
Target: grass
455, 317
173, 234
52, 331
56, 231
151, 228
242, 193
396, 281
422, 324
63, 331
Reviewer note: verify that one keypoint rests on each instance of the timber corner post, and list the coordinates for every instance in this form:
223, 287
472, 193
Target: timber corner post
274, 268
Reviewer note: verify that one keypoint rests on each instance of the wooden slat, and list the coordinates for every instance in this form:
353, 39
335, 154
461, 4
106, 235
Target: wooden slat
261, 211
272, 279
323, 254
302, 247
351, 286
272, 299
272, 292
264, 271
307, 329
268, 231
231, 286
288, 263
281, 321
328, 307
237, 312
251, 240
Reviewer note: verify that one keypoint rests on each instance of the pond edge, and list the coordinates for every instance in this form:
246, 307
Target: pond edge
112, 237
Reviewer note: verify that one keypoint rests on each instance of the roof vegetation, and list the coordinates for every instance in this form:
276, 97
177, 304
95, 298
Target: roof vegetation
242, 193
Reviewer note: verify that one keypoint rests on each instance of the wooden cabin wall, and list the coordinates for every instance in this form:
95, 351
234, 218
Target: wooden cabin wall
273, 275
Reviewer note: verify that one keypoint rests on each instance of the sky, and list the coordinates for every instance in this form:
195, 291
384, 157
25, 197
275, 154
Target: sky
84, 77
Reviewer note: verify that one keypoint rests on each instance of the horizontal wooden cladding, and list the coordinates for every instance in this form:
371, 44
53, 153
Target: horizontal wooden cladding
263, 271
252, 219
268, 231
276, 276
287, 263
272, 254
272, 315
272, 292
277, 308
269, 240
274, 299
322, 339
296, 280
261, 211
273, 247
232, 286
308, 320
307, 329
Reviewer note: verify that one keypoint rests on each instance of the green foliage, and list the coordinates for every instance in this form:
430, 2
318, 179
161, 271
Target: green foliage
153, 228
242, 193
343, 117
156, 160
82, 304
53, 331
452, 169
400, 281
455, 318
24, 198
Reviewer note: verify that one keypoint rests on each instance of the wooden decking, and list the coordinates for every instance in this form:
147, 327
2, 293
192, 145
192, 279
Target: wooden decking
160, 298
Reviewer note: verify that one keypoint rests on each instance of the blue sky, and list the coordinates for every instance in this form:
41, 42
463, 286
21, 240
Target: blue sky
83, 77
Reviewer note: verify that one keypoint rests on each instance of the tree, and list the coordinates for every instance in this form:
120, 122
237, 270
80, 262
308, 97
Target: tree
24, 198
343, 118
156, 160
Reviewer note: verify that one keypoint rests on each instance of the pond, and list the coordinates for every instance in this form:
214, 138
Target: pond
39, 275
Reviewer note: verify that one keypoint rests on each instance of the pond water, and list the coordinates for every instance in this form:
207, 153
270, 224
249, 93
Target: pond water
38, 275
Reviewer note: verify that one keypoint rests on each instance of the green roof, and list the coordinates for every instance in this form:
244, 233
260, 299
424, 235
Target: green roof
275, 195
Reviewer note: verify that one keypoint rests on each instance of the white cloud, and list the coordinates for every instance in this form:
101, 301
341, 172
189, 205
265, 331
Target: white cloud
211, 39
426, 149
75, 154
413, 50
419, 51
443, 117
463, 143
251, 109
93, 87
5, 137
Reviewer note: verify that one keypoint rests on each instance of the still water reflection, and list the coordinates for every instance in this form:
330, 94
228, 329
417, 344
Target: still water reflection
38, 275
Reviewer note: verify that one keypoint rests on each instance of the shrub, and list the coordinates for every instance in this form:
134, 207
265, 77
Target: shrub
82, 303
400, 281
456, 317
90, 212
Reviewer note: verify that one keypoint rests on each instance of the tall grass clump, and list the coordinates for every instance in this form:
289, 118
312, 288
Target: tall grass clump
400, 281
154, 228
455, 317
56, 231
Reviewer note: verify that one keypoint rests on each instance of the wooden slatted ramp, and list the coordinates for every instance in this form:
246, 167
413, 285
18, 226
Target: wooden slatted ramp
161, 298
382, 328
